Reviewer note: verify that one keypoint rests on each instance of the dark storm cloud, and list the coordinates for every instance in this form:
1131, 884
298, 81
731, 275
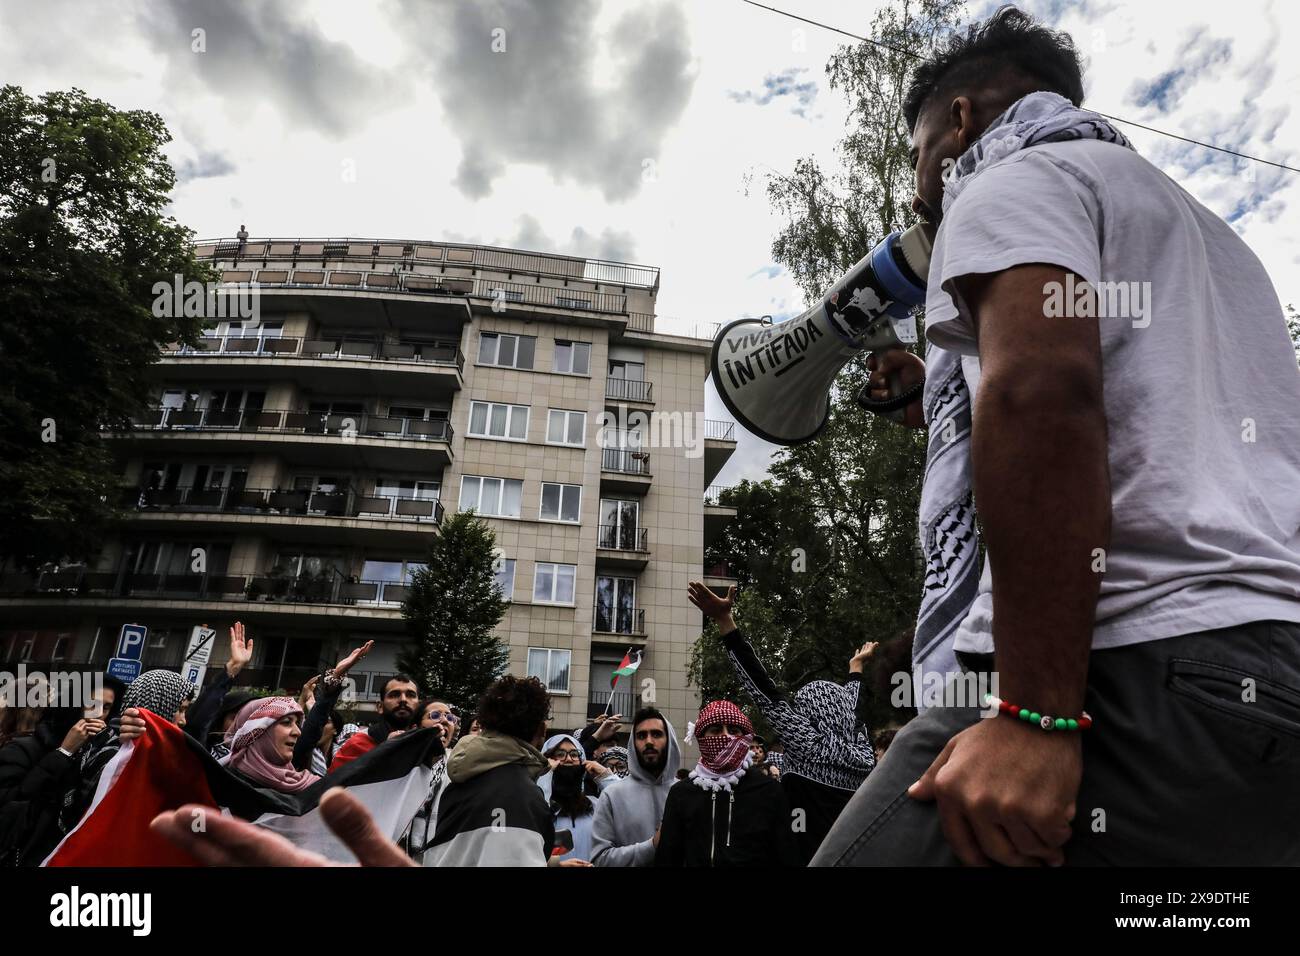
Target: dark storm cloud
204, 166
517, 83
260, 52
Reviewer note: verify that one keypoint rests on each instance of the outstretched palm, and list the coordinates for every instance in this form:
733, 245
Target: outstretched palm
241, 650
713, 606
345, 665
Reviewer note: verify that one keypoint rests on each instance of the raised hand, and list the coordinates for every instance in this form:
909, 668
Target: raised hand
858, 662
608, 727
241, 650
345, 665
715, 608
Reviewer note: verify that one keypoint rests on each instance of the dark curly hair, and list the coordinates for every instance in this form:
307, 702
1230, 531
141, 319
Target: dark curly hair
1009, 49
517, 706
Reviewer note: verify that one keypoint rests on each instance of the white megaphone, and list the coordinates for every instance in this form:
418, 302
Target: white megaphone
775, 379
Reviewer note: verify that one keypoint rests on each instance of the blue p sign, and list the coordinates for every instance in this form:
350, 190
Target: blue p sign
131, 643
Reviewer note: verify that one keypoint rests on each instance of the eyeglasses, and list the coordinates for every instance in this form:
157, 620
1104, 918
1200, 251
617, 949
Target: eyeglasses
567, 755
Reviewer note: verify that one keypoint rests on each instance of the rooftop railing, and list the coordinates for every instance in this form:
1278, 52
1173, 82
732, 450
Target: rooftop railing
396, 254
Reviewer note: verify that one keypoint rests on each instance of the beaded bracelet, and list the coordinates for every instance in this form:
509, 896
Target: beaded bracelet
1083, 722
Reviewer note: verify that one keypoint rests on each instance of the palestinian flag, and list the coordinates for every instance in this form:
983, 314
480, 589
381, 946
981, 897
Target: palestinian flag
625, 669
167, 768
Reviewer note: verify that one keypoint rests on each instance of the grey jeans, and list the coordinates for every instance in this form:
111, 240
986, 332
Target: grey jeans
1181, 767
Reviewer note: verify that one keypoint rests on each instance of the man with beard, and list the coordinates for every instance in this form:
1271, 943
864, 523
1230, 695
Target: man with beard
625, 831
398, 699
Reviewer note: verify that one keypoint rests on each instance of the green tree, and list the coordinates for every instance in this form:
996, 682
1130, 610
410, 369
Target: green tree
450, 613
849, 499
83, 239
1293, 329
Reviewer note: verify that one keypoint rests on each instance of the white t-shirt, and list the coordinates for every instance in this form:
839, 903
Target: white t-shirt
1202, 393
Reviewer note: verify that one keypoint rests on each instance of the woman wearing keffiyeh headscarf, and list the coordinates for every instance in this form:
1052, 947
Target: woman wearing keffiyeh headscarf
827, 747
265, 738
726, 812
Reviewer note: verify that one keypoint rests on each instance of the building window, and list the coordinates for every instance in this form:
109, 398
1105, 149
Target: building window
508, 351
553, 583
491, 496
566, 428
504, 569
561, 502
573, 358
551, 667
494, 420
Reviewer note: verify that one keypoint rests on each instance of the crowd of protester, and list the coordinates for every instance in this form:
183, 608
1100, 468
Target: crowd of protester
505, 789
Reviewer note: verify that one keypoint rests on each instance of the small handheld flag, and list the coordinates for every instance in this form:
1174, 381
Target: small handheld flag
626, 669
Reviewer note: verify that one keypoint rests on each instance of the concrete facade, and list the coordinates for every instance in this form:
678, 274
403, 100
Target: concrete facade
292, 481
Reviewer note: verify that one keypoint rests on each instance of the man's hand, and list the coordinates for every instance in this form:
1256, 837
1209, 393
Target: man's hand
715, 608
595, 769
572, 862
133, 725
227, 841
909, 368
241, 651
858, 662
655, 840
1006, 792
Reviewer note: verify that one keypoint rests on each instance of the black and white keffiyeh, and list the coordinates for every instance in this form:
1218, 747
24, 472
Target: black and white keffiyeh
159, 691
949, 538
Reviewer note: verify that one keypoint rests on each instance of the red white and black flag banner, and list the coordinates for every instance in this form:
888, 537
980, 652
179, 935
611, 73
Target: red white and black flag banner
167, 768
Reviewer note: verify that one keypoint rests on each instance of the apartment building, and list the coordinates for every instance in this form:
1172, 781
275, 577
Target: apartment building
294, 466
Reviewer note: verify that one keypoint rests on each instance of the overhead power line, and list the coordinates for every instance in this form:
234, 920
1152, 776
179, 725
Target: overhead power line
1117, 119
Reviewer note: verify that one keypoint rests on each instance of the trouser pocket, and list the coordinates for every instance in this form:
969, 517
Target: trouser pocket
1235, 702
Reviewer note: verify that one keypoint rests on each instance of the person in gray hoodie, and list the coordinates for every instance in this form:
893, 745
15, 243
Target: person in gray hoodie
625, 829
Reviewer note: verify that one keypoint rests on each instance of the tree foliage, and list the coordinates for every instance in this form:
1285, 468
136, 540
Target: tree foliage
826, 549
83, 239
452, 608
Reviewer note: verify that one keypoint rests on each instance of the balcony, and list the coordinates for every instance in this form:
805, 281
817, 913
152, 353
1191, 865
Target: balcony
622, 548
506, 294
413, 368
718, 578
305, 600
621, 700
320, 437
719, 446
343, 516
629, 390
716, 514
621, 620
625, 470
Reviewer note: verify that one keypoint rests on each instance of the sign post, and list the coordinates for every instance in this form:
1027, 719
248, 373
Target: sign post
197, 654
125, 664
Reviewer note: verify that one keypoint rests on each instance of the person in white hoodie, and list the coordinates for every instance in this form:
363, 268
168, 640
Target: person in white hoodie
625, 830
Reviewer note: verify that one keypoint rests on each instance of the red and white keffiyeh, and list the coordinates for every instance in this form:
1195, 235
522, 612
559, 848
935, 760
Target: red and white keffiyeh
723, 758
252, 749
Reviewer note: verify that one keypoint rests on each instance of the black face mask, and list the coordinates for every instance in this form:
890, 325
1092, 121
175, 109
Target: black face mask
567, 780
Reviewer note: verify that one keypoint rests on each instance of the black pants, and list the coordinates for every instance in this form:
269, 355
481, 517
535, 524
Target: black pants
1194, 759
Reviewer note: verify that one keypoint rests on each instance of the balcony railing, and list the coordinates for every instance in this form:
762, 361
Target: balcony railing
247, 346
719, 431
618, 620
286, 421
397, 254
713, 494
300, 503
614, 537
598, 700
625, 461
549, 296
325, 588
628, 389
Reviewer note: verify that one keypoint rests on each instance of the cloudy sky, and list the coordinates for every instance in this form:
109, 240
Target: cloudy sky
638, 131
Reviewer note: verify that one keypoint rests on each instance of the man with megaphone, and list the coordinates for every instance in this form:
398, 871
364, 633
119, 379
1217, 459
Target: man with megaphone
1089, 325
